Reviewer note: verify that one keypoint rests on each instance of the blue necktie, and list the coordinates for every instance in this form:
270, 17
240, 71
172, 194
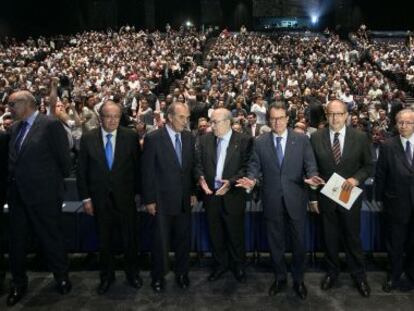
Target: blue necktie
217, 183
279, 150
19, 140
408, 153
178, 149
109, 151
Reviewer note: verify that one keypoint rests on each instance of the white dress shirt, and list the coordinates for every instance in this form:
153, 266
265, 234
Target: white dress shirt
225, 140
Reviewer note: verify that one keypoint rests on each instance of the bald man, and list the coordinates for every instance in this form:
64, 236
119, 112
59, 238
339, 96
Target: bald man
394, 188
347, 152
222, 159
38, 162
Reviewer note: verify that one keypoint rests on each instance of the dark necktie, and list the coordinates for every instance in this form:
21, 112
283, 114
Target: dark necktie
408, 152
109, 151
336, 149
178, 149
279, 150
19, 139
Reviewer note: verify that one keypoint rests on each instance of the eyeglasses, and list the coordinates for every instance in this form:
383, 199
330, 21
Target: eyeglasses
111, 117
278, 119
407, 123
335, 114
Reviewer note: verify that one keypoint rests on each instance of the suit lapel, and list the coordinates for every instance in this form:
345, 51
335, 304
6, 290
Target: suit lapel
119, 144
186, 148
272, 148
29, 135
326, 141
290, 145
212, 147
169, 145
348, 144
13, 136
400, 152
100, 148
231, 148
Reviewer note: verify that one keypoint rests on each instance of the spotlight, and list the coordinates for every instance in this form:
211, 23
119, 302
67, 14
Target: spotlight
314, 19
189, 24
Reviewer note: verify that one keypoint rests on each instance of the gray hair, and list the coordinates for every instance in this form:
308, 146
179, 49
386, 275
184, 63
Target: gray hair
403, 111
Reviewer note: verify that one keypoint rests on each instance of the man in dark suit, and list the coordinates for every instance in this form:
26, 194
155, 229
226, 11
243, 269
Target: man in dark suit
38, 162
168, 194
281, 160
222, 158
108, 179
4, 140
345, 151
394, 188
252, 129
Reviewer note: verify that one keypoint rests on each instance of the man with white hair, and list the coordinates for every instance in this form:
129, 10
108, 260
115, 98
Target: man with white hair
395, 191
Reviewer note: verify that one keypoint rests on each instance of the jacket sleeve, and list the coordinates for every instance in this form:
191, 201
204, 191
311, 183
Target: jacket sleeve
60, 146
366, 166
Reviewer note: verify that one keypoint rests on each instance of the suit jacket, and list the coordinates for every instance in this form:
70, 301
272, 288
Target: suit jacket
356, 158
164, 181
394, 181
286, 181
248, 130
43, 162
4, 141
235, 167
95, 180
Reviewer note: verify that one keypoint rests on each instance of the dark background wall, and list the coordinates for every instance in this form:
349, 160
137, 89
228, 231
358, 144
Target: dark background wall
34, 17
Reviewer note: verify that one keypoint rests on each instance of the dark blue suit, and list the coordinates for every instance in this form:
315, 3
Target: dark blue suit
36, 177
170, 186
395, 188
284, 196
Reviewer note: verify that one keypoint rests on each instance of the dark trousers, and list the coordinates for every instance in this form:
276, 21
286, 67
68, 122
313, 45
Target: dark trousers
45, 221
400, 239
341, 227
112, 225
226, 234
276, 234
167, 230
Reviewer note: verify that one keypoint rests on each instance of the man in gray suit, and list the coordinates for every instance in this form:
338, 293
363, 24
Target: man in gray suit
280, 161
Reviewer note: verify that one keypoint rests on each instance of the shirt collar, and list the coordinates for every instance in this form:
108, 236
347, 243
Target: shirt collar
227, 136
404, 140
341, 132
104, 133
30, 120
170, 131
284, 135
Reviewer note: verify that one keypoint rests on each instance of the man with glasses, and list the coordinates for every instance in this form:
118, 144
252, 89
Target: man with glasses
108, 179
394, 189
282, 163
38, 162
222, 159
345, 151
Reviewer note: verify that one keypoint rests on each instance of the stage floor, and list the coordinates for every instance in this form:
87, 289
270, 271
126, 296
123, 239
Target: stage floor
225, 294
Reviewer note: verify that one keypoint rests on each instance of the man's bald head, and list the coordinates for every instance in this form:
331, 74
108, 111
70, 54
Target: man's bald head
24, 97
22, 104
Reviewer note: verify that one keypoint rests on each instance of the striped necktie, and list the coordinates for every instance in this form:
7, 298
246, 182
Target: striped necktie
336, 149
